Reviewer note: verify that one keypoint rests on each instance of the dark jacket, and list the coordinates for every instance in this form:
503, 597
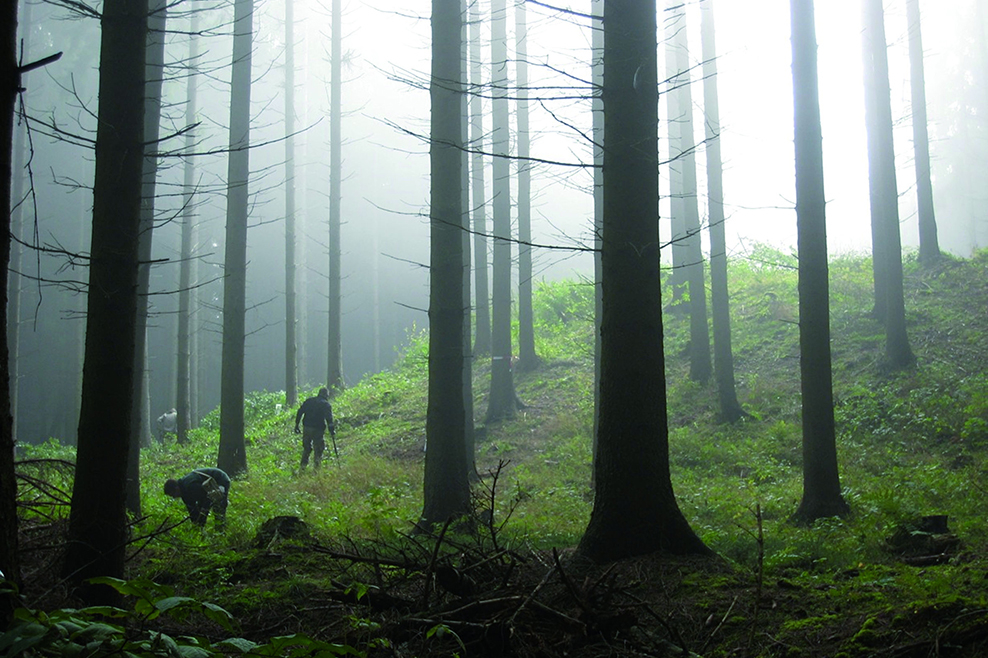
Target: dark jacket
196, 496
316, 412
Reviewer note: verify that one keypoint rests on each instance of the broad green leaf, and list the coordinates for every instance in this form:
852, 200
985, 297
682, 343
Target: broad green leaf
106, 611
185, 651
240, 644
20, 638
217, 614
165, 605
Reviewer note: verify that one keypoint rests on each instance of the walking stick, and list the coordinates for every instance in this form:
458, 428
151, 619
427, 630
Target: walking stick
332, 435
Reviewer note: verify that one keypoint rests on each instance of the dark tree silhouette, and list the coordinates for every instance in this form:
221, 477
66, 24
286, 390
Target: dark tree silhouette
821, 482
469, 438
929, 245
597, 110
677, 199
98, 519
635, 510
527, 358
334, 377
291, 345
446, 488
17, 222
884, 195
10, 81
232, 456
684, 154
501, 402
184, 372
482, 340
730, 409
157, 21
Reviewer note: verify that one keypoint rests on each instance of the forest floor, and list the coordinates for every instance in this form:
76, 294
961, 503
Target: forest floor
487, 601
895, 579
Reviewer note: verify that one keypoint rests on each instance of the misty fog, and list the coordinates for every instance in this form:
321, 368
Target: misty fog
386, 164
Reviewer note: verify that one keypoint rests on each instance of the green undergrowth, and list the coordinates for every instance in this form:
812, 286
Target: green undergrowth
910, 444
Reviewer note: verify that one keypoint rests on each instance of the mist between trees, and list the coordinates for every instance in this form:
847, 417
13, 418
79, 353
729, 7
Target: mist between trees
289, 180
384, 186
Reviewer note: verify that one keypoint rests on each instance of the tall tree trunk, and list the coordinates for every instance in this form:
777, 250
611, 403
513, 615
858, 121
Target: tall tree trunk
528, 360
700, 366
291, 352
145, 436
140, 424
301, 219
469, 439
886, 241
730, 409
17, 229
677, 199
482, 342
186, 282
874, 52
376, 290
501, 401
597, 109
929, 246
821, 482
446, 489
98, 518
79, 326
195, 304
334, 378
635, 510
232, 456
9, 83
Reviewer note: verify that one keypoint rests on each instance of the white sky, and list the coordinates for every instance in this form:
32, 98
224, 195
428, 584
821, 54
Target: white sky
754, 79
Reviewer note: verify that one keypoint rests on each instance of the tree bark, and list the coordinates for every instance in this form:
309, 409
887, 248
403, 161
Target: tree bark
700, 366
677, 204
635, 510
232, 456
528, 360
9, 83
821, 482
597, 109
446, 489
98, 518
469, 439
874, 54
501, 401
884, 195
291, 351
334, 377
15, 196
183, 370
730, 408
482, 340
929, 245
140, 426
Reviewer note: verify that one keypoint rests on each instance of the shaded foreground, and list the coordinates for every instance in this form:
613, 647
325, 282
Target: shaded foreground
473, 598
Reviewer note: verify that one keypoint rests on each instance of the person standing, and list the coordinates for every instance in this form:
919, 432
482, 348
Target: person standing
202, 490
316, 415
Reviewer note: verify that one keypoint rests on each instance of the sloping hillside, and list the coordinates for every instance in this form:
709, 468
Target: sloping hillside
911, 445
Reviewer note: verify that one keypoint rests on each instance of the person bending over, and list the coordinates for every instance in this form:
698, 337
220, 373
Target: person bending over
316, 414
167, 424
202, 490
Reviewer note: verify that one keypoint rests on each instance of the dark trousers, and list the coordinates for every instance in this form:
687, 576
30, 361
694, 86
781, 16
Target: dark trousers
312, 437
219, 511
